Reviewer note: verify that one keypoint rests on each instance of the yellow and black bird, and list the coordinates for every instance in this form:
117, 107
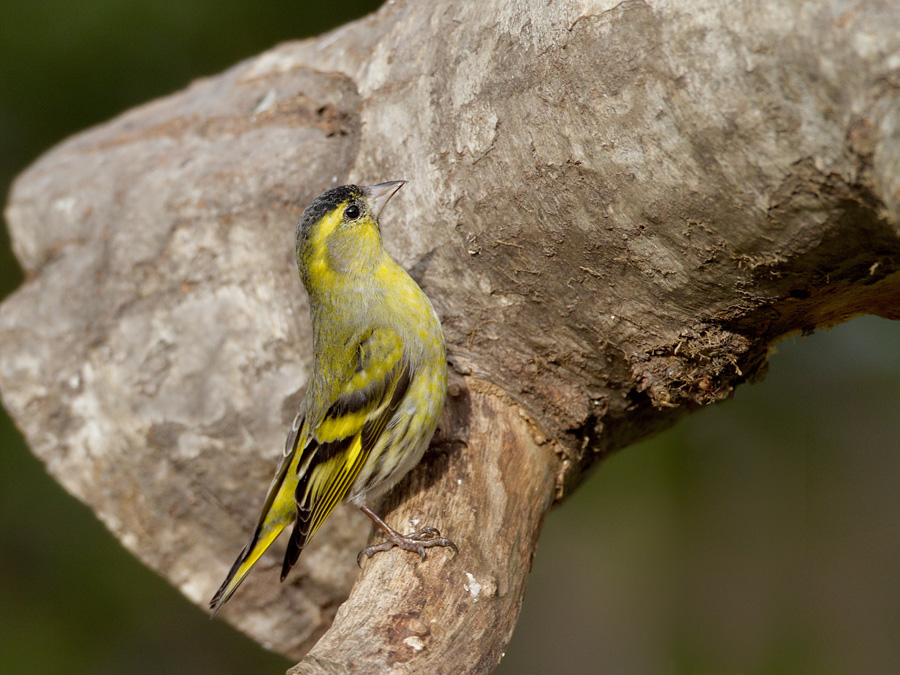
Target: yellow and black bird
378, 385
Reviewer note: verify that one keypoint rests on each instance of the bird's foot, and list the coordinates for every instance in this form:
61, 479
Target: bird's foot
416, 542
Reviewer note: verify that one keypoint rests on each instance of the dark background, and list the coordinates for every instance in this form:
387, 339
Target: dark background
758, 536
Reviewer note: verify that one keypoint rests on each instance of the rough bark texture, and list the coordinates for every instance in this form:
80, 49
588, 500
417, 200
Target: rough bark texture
432, 617
616, 208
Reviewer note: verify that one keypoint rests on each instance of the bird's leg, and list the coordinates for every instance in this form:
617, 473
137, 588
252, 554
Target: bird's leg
416, 542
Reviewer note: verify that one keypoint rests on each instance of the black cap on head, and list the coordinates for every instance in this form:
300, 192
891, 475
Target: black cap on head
324, 203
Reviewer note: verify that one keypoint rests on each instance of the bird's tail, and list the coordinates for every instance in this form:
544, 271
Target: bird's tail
262, 539
279, 511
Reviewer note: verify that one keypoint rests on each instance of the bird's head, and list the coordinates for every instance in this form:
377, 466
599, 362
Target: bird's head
338, 233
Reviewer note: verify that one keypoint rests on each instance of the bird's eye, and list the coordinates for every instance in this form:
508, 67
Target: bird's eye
352, 212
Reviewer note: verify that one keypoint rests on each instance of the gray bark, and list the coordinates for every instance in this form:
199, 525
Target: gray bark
616, 209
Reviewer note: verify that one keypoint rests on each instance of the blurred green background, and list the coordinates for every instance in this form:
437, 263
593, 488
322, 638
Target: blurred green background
758, 536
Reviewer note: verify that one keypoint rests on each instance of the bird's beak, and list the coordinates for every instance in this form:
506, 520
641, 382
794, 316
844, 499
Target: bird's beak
378, 195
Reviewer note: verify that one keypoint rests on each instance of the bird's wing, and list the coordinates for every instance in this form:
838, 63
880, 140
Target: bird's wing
338, 445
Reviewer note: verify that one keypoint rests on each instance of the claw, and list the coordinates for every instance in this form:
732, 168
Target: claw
425, 534
417, 542
369, 551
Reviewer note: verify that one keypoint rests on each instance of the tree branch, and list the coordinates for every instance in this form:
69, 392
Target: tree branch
493, 489
615, 207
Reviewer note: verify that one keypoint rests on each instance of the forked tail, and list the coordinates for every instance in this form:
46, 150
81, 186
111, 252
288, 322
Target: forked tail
279, 511
244, 563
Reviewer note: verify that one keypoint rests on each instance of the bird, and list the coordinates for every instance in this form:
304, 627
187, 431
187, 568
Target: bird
377, 389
